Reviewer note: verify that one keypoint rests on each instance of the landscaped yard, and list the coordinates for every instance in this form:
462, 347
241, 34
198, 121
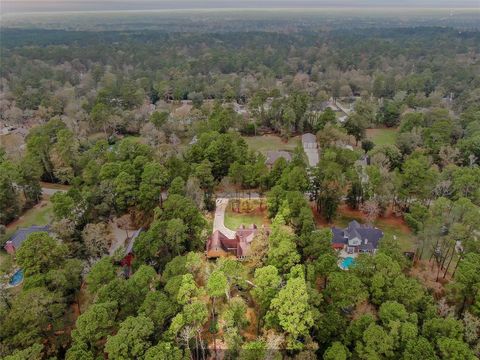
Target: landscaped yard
233, 220
266, 143
41, 214
382, 136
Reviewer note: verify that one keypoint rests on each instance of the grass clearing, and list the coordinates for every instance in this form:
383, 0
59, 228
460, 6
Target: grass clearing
40, 214
385, 136
266, 143
233, 220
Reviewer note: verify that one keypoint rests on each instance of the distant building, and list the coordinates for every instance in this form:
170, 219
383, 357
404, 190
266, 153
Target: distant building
309, 141
219, 244
17, 239
273, 156
357, 238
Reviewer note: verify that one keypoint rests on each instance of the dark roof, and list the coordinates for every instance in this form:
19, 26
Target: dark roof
273, 156
338, 237
131, 241
21, 234
369, 236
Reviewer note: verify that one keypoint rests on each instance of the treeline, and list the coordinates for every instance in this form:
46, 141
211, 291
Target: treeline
230, 66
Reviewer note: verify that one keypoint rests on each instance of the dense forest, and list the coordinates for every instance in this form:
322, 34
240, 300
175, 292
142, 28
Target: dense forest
146, 131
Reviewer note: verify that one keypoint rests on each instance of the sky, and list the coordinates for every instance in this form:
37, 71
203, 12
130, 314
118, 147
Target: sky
21, 6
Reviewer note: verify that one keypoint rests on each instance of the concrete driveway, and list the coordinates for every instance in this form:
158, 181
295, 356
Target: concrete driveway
312, 155
219, 219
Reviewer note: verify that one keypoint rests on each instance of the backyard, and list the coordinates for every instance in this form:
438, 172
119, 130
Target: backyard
382, 136
40, 214
266, 143
255, 215
391, 225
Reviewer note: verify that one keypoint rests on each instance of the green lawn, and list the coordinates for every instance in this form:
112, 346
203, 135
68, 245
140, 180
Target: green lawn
234, 220
3, 257
271, 142
382, 136
39, 215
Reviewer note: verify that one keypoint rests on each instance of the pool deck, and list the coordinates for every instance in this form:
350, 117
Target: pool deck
5, 283
343, 254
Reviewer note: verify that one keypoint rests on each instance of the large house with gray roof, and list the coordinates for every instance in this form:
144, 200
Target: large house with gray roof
357, 238
273, 156
17, 239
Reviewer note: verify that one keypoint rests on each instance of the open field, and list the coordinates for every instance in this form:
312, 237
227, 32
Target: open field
392, 226
266, 143
233, 220
382, 136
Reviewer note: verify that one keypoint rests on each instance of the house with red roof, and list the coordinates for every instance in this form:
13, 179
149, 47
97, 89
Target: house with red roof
219, 244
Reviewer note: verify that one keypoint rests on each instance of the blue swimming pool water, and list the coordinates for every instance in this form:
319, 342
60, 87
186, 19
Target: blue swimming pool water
16, 278
347, 262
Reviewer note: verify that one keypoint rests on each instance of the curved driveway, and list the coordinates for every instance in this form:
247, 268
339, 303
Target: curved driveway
218, 221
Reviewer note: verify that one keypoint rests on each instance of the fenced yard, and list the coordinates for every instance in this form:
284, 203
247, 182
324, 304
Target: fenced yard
246, 212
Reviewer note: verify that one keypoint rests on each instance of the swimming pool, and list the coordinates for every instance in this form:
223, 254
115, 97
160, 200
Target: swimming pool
347, 262
16, 278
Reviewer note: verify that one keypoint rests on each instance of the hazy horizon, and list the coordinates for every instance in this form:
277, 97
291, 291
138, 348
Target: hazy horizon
34, 6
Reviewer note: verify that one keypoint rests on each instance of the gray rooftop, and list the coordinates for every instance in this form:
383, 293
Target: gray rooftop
373, 235
273, 156
309, 138
21, 234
